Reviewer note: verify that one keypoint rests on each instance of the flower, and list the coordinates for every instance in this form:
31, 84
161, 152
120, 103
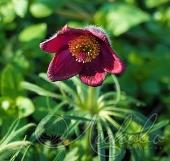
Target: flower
86, 52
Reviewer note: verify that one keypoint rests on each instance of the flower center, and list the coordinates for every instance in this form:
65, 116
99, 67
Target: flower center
85, 48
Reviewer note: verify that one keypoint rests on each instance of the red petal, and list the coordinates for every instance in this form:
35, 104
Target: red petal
61, 39
68, 30
111, 62
63, 66
55, 43
98, 32
92, 73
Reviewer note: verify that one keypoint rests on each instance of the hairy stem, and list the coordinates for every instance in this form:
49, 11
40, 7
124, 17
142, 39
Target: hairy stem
91, 99
117, 88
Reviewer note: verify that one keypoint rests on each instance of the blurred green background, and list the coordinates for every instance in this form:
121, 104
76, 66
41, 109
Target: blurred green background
139, 31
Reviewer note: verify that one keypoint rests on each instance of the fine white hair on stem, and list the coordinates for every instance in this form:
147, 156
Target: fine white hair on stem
98, 29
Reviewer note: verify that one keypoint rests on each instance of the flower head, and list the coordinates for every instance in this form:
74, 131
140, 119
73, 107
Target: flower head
86, 52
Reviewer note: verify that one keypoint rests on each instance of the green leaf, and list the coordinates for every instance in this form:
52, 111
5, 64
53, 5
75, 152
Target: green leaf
42, 109
159, 125
44, 8
71, 128
82, 89
20, 7
33, 32
21, 62
25, 106
72, 155
116, 150
10, 82
70, 91
43, 92
119, 17
7, 13
11, 130
15, 145
76, 118
153, 3
112, 147
63, 86
151, 86
26, 150
59, 155
40, 91
136, 59
40, 10
101, 146
12, 133
17, 152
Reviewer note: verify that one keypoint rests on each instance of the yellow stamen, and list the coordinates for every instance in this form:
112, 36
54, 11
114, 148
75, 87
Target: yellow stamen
85, 48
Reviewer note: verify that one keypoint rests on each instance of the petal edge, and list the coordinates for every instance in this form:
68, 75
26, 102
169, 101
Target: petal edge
111, 62
92, 73
63, 66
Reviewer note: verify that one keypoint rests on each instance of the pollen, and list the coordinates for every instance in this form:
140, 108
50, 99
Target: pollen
85, 48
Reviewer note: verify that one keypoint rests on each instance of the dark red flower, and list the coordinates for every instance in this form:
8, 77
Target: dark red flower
86, 52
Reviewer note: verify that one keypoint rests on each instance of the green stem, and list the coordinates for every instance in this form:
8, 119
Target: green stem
91, 99
87, 138
117, 88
